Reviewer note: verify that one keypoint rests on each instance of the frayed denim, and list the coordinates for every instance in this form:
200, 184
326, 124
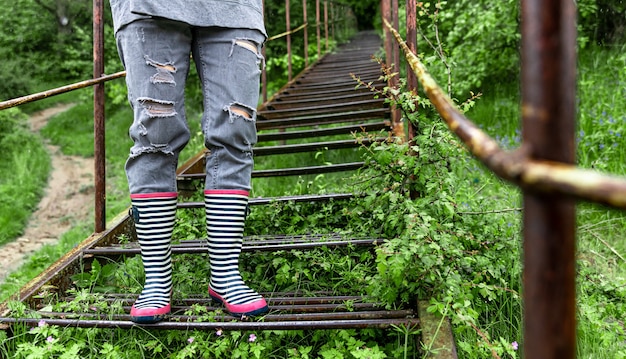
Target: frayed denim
156, 55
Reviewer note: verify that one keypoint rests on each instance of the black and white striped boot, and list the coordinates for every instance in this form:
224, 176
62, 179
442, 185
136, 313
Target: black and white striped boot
154, 215
225, 217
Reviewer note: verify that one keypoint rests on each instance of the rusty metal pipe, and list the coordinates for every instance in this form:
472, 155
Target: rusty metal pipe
411, 36
288, 27
226, 325
59, 90
387, 314
306, 34
98, 118
531, 174
201, 249
549, 115
128, 299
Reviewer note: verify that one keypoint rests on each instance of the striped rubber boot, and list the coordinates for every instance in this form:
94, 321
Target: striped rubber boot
225, 216
154, 215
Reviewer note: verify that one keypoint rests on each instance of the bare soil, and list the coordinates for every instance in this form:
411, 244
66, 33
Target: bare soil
68, 200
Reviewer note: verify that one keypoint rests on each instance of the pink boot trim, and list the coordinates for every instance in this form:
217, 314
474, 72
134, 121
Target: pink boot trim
237, 192
149, 315
255, 308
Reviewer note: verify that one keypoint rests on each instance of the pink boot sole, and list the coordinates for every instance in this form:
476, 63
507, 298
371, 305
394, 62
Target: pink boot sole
149, 315
255, 308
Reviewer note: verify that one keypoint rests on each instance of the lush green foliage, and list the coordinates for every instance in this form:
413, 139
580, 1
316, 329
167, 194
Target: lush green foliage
477, 40
465, 47
24, 167
50, 37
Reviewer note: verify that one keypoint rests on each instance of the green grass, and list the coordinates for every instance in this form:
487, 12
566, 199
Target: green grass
24, 169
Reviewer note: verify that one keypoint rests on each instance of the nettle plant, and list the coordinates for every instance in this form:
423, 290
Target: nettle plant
450, 239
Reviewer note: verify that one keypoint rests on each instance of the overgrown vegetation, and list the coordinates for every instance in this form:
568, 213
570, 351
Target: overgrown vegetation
457, 243
24, 171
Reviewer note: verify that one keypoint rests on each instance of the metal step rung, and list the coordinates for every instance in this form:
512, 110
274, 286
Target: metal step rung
320, 132
129, 249
287, 312
322, 109
311, 147
383, 314
226, 325
315, 120
284, 172
289, 95
280, 104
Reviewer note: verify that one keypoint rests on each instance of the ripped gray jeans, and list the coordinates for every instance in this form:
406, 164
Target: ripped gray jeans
156, 55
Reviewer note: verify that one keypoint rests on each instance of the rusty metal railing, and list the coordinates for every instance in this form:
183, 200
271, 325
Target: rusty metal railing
100, 78
543, 167
338, 15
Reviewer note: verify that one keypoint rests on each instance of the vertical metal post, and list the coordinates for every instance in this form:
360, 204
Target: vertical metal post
288, 29
411, 41
394, 81
98, 116
317, 25
306, 34
326, 23
385, 10
333, 18
264, 70
548, 111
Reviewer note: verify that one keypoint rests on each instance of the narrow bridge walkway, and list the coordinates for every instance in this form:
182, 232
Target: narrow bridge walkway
323, 102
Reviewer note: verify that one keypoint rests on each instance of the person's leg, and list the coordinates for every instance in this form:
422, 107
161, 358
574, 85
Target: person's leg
156, 57
229, 61
154, 216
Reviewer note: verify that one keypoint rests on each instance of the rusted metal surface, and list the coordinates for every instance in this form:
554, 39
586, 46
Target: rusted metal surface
60, 90
283, 172
227, 325
288, 311
339, 130
340, 315
518, 167
200, 247
436, 333
322, 109
98, 118
310, 170
288, 27
259, 201
310, 147
305, 36
411, 41
317, 28
549, 115
326, 25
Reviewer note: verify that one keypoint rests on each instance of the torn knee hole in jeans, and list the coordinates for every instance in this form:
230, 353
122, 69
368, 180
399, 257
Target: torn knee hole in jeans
250, 45
136, 151
164, 74
240, 110
156, 108
246, 44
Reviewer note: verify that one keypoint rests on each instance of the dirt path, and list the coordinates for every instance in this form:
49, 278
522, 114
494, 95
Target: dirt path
68, 199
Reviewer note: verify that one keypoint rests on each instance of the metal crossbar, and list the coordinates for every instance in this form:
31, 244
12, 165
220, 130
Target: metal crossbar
542, 167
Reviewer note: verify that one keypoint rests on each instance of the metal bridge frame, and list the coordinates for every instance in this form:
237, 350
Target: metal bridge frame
543, 166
